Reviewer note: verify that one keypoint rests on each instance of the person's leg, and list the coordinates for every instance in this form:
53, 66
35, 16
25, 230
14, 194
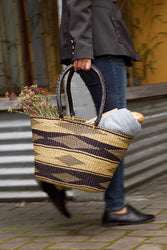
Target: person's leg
114, 72
57, 196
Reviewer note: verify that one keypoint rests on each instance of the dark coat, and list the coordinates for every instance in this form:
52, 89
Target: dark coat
91, 28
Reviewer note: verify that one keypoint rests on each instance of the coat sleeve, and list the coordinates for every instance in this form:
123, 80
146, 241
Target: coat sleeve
80, 28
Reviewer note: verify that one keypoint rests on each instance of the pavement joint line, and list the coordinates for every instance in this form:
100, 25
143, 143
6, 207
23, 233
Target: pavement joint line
72, 220
8, 228
26, 244
82, 227
92, 236
162, 228
11, 238
161, 212
144, 243
123, 236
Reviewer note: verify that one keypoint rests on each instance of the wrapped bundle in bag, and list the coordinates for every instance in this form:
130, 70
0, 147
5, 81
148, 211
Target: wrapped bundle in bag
75, 154
122, 121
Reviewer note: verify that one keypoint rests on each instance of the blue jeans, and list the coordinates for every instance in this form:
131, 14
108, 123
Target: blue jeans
114, 72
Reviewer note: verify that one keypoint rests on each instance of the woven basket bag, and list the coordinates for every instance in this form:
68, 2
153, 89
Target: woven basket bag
75, 154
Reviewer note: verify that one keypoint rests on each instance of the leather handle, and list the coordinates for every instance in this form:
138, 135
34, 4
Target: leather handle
70, 69
68, 90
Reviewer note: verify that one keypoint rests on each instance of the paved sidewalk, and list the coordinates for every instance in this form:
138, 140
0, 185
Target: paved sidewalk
38, 225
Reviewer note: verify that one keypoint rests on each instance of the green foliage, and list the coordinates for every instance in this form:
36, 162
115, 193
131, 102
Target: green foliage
148, 45
151, 13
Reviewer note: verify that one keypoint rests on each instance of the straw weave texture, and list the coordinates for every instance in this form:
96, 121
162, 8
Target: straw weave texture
71, 154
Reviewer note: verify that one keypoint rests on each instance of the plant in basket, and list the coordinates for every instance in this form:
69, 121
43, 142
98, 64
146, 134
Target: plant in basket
33, 101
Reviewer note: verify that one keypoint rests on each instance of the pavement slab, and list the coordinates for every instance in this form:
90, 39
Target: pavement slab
150, 247
39, 226
128, 242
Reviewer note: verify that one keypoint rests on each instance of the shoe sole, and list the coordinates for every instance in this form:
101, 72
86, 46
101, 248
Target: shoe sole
112, 224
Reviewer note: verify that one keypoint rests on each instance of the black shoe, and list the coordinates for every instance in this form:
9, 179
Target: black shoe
57, 197
131, 217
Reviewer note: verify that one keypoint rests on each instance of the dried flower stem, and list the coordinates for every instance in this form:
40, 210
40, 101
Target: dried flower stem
34, 102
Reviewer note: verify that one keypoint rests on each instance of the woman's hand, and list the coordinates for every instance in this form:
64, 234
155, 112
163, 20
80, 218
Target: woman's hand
84, 64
